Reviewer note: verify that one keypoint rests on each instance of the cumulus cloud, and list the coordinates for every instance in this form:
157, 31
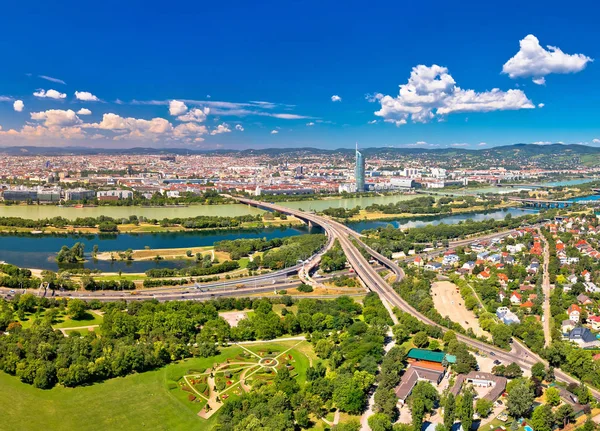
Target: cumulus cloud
541, 105
196, 115
86, 96
239, 127
133, 128
51, 79
336, 98
50, 94
432, 91
177, 108
56, 117
274, 132
596, 141
84, 111
482, 144
35, 132
534, 61
221, 128
187, 130
310, 124
18, 105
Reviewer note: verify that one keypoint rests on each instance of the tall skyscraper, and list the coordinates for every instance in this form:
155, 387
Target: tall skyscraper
359, 171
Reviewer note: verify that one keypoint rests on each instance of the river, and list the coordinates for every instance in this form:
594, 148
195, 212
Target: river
435, 220
39, 251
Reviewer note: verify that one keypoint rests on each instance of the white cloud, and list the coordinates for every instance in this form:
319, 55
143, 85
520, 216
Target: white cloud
56, 117
432, 91
188, 130
372, 121
50, 94
285, 116
6, 99
84, 111
18, 105
274, 132
51, 79
196, 115
542, 143
232, 109
539, 81
534, 61
221, 128
177, 108
482, 144
36, 132
310, 124
461, 144
133, 128
239, 127
336, 98
596, 141
86, 96
541, 105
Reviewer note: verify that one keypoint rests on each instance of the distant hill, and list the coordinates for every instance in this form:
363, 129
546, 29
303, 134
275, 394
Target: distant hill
516, 155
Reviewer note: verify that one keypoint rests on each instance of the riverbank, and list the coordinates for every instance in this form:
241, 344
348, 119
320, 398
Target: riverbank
365, 215
167, 253
141, 228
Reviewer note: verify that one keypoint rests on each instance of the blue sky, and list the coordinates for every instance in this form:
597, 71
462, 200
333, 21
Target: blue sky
263, 74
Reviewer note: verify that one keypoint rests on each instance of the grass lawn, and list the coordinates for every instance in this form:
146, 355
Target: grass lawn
149, 401
63, 321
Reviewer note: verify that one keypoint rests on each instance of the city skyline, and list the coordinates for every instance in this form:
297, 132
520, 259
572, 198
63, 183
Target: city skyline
263, 79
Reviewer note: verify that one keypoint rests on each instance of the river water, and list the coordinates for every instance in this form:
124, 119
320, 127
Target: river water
435, 220
39, 251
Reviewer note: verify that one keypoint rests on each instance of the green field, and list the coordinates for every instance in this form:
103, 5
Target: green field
150, 401
64, 321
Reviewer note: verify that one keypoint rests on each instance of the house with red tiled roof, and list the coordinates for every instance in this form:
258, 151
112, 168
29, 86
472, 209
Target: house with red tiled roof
574, 312
515, 298
527, 304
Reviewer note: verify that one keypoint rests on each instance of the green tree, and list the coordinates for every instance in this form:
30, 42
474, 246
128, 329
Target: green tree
553, 396
417, 411
538, 371
465, 410
565, 415
302, 418
542, 418
483, 407
77, 309
421, 340
520, 399
449, 411
380, 422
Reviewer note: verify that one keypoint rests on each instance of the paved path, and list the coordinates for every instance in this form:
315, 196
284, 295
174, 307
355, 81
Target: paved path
77, 328
546, 290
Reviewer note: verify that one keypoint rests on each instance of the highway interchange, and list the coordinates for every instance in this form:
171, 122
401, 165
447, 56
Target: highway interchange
276, 281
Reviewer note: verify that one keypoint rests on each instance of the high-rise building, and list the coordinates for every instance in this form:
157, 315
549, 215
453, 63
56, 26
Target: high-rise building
359, 171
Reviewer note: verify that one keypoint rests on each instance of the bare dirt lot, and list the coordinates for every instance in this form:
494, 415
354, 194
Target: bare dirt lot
233, 317
448, 302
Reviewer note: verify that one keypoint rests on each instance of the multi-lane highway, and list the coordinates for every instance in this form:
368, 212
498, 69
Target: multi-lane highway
519, 353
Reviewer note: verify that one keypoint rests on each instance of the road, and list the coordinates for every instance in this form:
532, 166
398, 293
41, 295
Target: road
518, 354
546, 290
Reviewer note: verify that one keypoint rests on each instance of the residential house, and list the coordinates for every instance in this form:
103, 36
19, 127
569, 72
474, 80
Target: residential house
574, 312
507, 316
515, 298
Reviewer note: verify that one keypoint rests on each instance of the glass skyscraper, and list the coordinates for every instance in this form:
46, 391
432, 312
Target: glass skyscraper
359, 171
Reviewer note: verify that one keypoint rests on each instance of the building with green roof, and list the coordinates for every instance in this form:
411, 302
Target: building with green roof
431, 356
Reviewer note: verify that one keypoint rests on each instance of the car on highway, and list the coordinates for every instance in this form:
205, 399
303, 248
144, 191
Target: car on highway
492, 354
